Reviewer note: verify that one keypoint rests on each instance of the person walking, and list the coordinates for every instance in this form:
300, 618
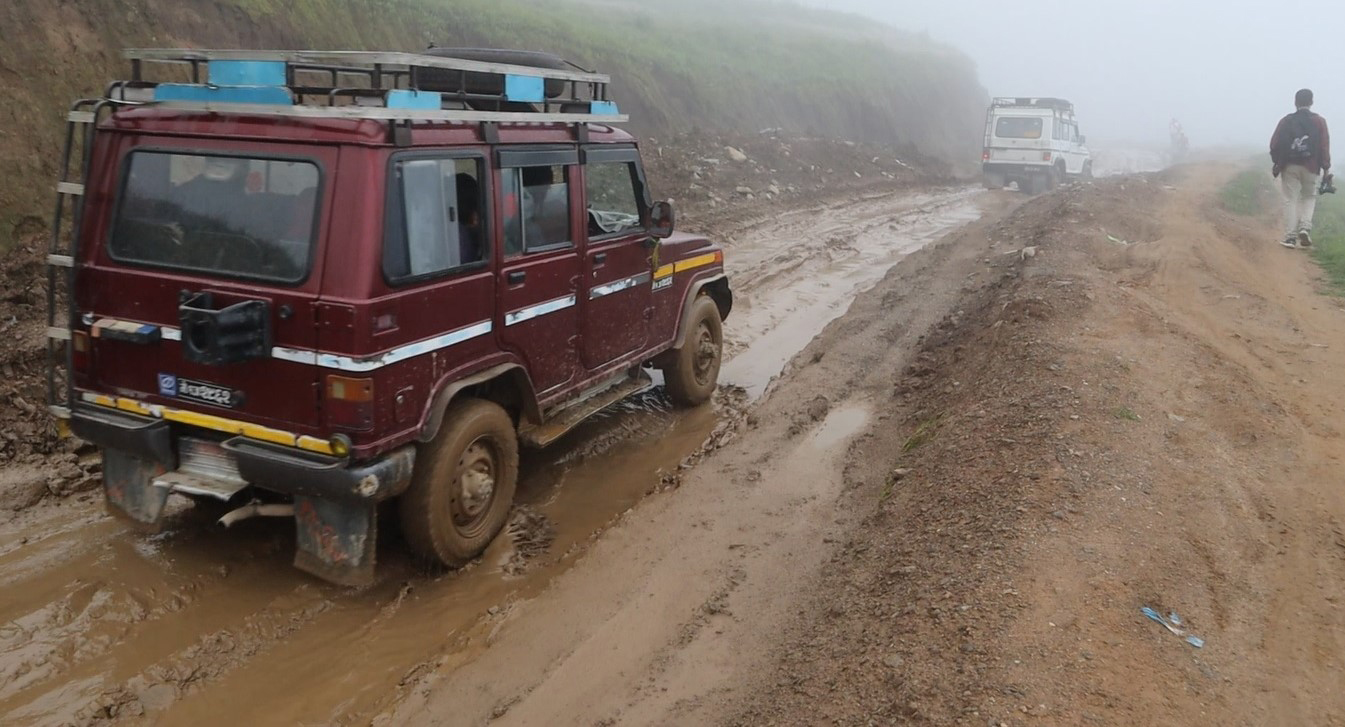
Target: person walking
1300, 152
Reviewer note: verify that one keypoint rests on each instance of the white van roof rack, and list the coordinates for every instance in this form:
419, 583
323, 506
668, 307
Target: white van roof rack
1058, 104
391, 86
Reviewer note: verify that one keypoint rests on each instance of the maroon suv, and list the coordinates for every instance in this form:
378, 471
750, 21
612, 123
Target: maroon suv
308, 283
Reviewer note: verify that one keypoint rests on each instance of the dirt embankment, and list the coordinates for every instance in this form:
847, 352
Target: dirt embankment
720, 67
1143, 412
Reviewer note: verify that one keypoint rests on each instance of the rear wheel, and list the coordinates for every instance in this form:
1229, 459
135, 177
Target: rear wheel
993, 181
693, 372
463, 484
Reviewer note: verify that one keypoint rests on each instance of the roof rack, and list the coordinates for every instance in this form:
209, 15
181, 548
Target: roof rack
389, 86
1059, 104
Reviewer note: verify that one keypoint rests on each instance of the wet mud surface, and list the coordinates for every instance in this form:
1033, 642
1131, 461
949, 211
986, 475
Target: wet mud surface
100, 623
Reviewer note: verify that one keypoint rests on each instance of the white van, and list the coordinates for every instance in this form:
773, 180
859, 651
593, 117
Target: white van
1034, 142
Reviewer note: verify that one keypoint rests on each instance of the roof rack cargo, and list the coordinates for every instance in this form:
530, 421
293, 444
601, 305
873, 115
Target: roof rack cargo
453, 85
1058, 104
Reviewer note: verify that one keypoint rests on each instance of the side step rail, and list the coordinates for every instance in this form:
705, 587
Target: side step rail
560, 423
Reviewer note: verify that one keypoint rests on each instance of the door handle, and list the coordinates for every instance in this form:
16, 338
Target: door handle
517, 277
600, 259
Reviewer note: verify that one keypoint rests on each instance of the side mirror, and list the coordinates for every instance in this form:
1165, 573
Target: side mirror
662, 220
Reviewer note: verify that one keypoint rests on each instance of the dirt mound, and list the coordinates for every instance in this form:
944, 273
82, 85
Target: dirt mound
719, 181
1137, 413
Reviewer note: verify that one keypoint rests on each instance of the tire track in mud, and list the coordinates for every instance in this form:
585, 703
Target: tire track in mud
99, 623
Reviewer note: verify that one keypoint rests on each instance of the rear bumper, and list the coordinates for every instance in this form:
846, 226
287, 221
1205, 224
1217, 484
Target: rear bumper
147, 439
1015, 169
303, 474
272, 467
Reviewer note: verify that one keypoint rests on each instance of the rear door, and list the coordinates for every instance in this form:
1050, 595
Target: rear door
618, 263
205, 224
539, 278
1020, 137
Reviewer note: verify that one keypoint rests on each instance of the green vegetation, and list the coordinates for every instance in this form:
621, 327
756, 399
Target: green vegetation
678, 66
1328, 236
1126, 413
1248, 194
923, 434
1252, 193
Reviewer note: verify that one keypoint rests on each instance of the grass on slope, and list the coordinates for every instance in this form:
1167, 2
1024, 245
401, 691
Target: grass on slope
1252, 193
1248, 194
1328, 235
678, 66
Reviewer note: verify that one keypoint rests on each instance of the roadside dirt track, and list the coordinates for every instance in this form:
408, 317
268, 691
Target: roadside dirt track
1152, 423
101, 624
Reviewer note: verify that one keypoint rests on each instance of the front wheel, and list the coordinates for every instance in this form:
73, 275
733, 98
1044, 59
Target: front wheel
693, 372
463, 484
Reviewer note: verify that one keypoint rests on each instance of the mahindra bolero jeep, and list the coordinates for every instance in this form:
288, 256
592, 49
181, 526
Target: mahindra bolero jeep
310, 283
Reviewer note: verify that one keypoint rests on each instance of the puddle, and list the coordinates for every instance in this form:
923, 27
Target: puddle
839, 426
202, 605
795, 277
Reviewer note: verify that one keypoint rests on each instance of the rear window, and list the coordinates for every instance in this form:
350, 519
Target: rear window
225, 216
1018, 127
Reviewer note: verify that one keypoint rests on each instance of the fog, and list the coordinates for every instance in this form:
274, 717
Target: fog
1228, 69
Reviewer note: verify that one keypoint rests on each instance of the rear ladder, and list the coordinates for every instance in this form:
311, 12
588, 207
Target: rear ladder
63, 252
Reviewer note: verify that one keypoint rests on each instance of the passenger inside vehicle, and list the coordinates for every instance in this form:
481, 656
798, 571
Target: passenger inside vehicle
470, 246
215, 214
546, 207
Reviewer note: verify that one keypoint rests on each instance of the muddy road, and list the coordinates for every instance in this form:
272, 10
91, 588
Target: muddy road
99, 623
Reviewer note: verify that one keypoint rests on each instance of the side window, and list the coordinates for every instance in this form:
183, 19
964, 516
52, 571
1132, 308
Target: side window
536, 209
613, 198
434, 220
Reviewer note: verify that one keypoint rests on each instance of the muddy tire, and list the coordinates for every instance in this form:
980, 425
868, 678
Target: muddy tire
463, 485
693, 371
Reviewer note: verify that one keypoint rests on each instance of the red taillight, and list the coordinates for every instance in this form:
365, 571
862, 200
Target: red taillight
985, 155
350, 402
79, 347
1046, 156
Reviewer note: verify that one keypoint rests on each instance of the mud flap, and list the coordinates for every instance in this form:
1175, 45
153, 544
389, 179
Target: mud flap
336, 540
131, 495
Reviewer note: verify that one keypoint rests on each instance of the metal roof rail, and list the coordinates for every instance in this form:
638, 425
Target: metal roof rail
1059, 104
391, 86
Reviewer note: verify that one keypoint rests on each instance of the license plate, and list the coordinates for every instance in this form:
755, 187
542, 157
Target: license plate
200, 392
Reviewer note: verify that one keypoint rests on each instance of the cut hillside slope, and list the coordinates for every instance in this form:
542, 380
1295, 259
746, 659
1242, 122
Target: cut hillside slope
736, 67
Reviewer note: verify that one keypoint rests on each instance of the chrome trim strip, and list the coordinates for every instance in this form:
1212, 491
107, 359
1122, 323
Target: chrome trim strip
367, 363
401, 353
619, 285
537, 311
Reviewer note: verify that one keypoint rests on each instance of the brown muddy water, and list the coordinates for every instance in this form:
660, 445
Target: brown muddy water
201, 626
